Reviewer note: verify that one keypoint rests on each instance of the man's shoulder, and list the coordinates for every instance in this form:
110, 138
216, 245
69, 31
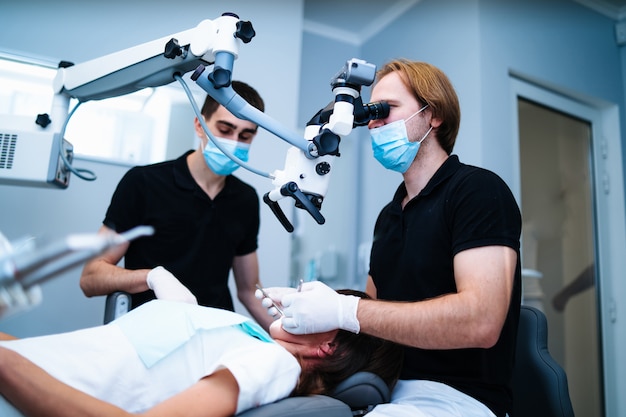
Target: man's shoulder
182, 160
156, 168
142, 173
481, 186
473, 173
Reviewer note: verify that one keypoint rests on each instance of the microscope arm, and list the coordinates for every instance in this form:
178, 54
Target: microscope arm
239, 107
151, 64
216, 42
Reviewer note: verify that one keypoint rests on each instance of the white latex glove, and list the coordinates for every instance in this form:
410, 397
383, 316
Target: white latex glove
167, 287
14, 299
318, 308
273, 297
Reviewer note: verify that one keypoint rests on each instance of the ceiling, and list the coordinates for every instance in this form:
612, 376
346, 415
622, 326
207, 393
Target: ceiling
356, 21
615, 9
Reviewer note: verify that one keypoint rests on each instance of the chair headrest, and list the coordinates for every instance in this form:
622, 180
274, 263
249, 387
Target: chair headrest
362, 390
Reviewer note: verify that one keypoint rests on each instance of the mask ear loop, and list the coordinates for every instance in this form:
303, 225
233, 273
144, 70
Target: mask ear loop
416, 113
424, 137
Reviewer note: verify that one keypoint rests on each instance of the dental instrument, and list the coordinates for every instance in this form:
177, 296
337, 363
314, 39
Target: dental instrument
274, 304
266, 295
25, 267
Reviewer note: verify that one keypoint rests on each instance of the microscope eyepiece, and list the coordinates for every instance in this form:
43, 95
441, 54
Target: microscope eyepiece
371, 111
377, 110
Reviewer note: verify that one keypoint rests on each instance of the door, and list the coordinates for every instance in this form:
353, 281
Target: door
571, 192
558, 243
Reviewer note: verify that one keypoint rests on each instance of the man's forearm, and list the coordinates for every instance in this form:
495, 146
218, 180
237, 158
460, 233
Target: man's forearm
433, 324
101, 278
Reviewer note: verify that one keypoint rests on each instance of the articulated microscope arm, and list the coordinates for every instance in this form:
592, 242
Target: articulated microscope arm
210, 50
155, 63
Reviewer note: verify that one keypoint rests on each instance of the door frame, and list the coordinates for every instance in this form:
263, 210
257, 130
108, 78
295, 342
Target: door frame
610, 218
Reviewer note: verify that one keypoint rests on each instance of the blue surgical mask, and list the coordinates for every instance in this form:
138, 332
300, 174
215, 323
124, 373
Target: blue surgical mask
218, 161
391, 144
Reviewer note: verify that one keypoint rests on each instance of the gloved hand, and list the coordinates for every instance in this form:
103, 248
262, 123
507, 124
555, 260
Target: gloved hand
167, 287
318, 308
14, 299
273, 295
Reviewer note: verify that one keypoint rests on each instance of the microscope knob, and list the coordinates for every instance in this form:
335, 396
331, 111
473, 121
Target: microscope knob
327, 142
245, 31
43, 120
322, 168
172, 49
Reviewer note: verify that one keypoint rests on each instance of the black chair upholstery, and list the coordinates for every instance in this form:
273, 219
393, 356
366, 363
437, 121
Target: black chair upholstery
116, 305
311, 406
362, 391
539, 382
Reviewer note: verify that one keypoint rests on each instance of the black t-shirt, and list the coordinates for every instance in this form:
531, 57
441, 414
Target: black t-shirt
461, 207
196, 238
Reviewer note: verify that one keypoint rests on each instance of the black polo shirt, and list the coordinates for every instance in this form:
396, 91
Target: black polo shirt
461, 207
196, 237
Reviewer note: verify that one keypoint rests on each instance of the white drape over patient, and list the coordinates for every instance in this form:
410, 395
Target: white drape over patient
160, 349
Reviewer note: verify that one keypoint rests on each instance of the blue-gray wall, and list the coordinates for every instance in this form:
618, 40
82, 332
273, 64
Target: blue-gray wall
480, 44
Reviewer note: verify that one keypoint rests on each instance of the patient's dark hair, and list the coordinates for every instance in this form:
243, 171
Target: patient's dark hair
353, 353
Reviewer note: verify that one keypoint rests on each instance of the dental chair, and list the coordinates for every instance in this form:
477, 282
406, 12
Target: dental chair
539, 383
355, 396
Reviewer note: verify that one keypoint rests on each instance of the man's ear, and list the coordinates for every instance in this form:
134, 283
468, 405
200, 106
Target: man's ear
435, 122
198, 128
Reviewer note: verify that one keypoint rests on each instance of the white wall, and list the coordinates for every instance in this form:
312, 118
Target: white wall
79, 31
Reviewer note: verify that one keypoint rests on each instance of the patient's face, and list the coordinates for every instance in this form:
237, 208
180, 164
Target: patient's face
310, 346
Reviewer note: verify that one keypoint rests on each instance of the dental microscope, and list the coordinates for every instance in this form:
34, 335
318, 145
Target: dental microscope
209, 50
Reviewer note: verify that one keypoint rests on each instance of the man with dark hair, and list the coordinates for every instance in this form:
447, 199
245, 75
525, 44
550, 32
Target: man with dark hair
206, 222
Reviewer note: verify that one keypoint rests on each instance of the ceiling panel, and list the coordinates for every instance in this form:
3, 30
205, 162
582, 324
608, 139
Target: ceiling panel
356, 21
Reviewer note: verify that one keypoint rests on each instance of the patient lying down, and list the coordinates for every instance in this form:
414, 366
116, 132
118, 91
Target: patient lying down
174, 359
